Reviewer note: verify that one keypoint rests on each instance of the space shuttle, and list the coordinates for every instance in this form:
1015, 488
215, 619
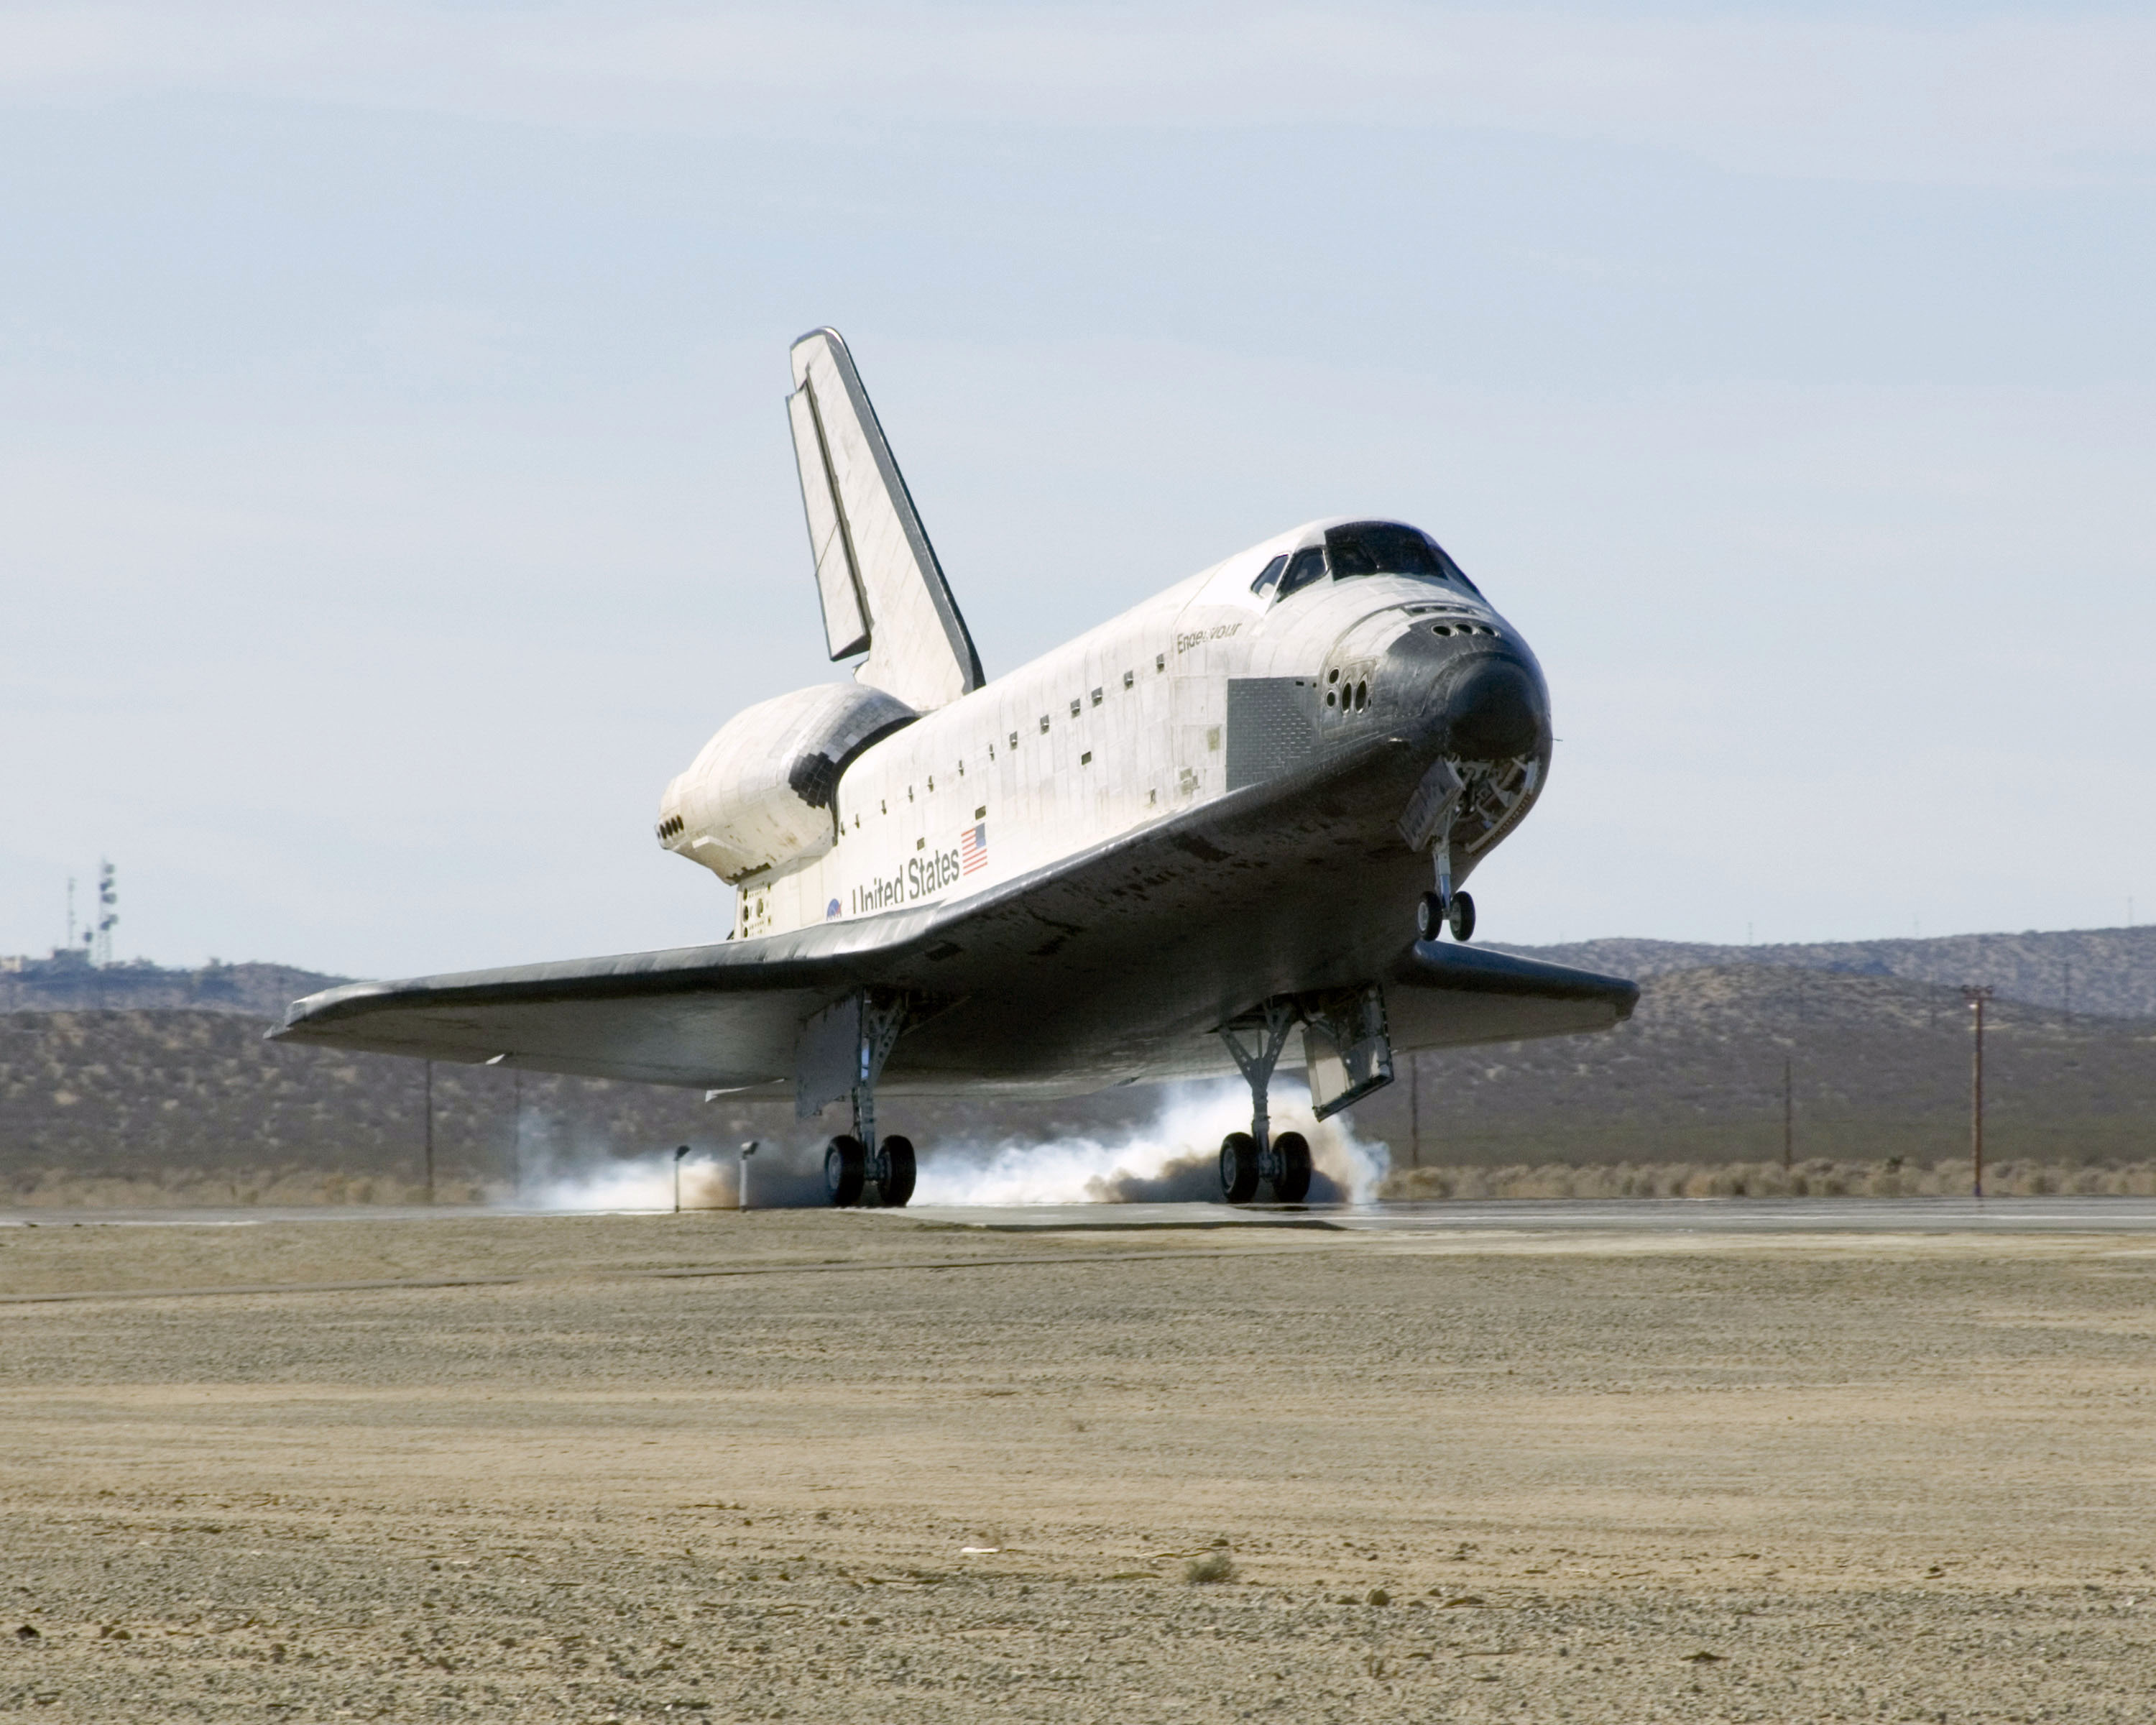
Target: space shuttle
1230, 828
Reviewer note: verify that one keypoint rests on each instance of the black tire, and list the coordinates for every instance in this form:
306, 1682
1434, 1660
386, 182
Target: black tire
895, 1185
1291, 1152
845, 1170
1430, 916
1460, 918
1239, 1167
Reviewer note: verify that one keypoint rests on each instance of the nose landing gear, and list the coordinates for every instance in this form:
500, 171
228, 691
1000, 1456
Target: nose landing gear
1444, 908
1434, 914
1459, 918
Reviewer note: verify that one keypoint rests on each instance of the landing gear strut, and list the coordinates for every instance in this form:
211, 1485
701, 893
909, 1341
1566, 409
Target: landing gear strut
1247, 1159
1444, 909
851, 1040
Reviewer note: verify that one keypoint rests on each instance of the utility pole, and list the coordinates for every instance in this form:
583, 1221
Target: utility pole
1788, 1118
1414, 1112
1976, 997
430, 1131
517, 1144
678, 1155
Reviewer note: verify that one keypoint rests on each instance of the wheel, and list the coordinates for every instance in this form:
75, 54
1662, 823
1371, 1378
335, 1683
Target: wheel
894, 1180
1460, 918
1291, 1184
1239, 1167
1430, 916
845, 1170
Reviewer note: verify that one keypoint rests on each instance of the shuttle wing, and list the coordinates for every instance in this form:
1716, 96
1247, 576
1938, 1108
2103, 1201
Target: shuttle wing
1456, 995
725, 1016
882, 586
1115, 966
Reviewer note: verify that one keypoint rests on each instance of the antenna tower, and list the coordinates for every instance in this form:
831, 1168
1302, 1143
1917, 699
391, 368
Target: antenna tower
107, 911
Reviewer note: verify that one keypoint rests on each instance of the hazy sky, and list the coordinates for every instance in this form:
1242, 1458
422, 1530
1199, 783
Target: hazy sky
396, 488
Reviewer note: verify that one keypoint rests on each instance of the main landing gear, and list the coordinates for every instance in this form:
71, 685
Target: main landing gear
1248, 1160
1242, 1168
1349, 1053
848, 1170
841, 1054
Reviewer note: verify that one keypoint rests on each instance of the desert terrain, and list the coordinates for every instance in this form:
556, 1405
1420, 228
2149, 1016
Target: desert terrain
130, 1106
863, 1466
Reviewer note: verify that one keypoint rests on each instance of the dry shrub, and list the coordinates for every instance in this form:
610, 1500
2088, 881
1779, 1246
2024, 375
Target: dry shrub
1209, 1567
173, 1188
1817, 1177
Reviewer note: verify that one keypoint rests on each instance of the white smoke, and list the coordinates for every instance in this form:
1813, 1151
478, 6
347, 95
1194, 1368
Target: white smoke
637, 1182
1174, 1158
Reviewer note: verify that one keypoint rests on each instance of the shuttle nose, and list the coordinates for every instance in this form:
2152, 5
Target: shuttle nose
1493, 711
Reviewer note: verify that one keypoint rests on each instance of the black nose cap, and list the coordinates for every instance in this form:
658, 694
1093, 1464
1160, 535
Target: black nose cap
1494, 712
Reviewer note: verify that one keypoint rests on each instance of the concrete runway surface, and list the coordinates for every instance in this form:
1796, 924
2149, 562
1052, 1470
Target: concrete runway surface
1628, 1215
1422, 1463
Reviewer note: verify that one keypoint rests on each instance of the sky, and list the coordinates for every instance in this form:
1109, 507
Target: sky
396, 489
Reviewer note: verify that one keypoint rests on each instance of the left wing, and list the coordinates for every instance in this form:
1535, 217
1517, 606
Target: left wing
722, 1017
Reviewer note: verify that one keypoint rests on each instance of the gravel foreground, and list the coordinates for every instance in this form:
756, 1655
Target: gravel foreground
853, 1467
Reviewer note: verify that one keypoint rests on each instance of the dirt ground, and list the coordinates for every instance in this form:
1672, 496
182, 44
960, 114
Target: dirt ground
855, 1468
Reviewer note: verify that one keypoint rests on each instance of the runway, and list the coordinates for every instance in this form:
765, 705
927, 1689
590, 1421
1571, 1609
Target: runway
1477, 1462
1618, 1215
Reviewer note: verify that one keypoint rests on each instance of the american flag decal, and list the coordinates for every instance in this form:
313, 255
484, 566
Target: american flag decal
973, 847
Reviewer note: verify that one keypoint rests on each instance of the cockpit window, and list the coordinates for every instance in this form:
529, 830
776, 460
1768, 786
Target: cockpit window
1268, 575
1389, 548
1381, 548
1305, 567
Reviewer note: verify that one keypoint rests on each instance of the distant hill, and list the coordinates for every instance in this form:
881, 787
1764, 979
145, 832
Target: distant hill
68, 983
2111, 971
170, 1076
2106, 971
1878, 1067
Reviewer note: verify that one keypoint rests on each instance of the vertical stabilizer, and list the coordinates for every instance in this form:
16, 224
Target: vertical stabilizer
882, 586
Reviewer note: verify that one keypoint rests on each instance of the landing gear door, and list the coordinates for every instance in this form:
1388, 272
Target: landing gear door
1347, 1048
827, 1059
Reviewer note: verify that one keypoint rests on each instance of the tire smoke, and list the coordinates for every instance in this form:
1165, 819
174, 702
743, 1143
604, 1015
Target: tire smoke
635, 1182
1171, 1159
